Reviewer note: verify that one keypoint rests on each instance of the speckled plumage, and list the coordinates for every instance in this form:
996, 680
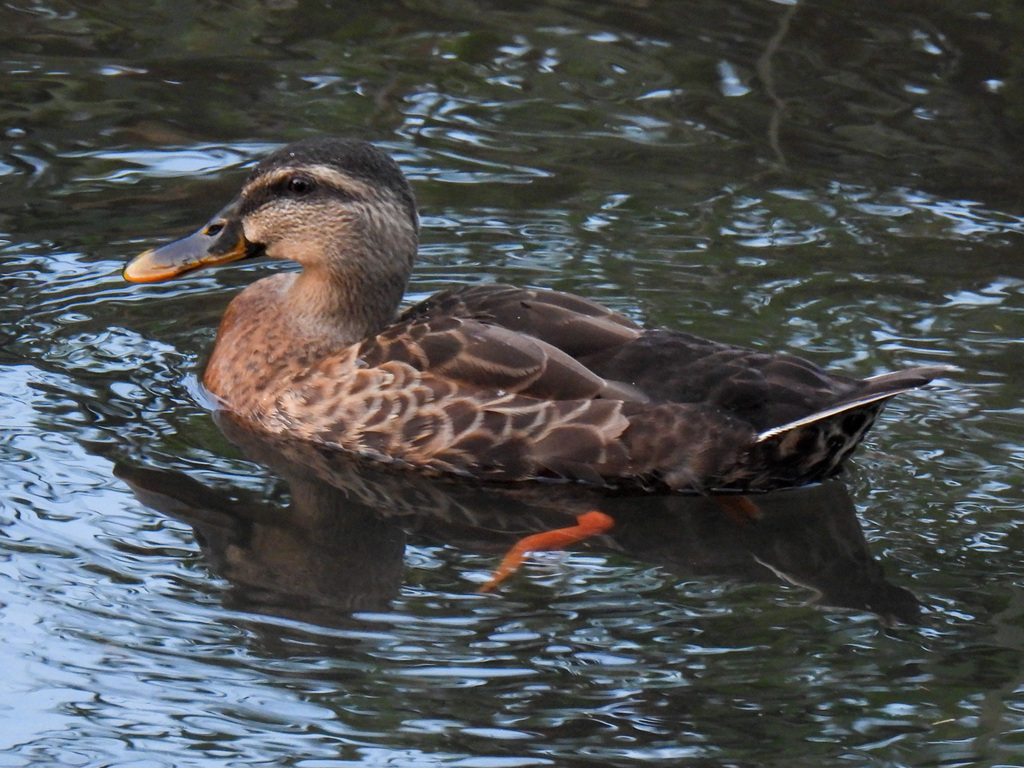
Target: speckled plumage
489, 381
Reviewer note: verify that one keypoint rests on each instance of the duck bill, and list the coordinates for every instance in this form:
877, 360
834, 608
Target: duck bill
219, 242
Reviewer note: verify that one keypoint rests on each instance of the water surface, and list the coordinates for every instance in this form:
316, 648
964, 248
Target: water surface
825, 178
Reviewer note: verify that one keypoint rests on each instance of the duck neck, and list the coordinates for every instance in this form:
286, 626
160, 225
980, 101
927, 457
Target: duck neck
353, 275
343, 309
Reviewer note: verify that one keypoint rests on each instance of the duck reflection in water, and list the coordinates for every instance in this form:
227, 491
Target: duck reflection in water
338, 547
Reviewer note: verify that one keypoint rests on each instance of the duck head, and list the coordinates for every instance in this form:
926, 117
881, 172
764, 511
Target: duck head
340, 208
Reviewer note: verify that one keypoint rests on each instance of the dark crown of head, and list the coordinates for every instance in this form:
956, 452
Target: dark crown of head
359, 159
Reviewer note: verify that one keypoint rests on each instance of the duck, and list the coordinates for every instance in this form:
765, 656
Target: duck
493, 382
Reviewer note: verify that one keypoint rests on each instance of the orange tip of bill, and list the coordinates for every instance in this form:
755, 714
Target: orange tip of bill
145, 269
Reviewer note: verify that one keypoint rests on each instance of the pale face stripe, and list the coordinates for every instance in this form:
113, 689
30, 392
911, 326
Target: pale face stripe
323, 175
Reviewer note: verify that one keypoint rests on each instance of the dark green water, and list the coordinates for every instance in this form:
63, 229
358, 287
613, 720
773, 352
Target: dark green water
840, 179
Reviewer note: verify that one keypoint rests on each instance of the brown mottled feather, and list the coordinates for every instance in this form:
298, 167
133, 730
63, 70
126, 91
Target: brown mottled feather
459, 394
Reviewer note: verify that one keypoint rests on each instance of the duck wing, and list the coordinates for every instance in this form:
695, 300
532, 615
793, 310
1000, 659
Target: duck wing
498, 338
763, 389
573, 324
607, 353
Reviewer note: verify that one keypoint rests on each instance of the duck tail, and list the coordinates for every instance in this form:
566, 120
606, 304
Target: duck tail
873, 390
814, 447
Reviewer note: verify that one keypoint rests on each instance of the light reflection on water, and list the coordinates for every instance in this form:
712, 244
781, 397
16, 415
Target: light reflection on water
584, 147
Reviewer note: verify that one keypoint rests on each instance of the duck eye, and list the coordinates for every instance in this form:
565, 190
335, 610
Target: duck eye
299, 185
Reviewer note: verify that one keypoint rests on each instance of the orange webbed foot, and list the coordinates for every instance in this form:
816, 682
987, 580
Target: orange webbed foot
587, 525
740, 509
